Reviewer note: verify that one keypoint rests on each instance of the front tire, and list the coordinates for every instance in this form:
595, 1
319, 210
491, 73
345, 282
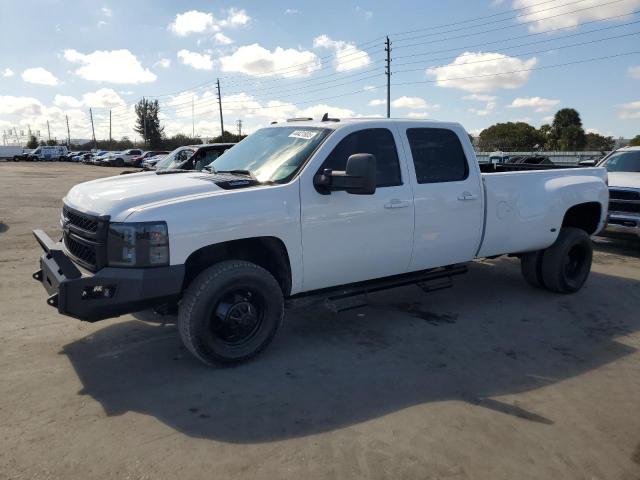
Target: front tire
230, 312
567, 263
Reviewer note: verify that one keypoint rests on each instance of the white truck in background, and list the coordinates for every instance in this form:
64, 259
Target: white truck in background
310, 210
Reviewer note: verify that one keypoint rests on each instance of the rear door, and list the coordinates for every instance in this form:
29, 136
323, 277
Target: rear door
448, 196
348, 238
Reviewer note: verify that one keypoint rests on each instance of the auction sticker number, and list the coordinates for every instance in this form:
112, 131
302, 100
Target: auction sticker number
304, 134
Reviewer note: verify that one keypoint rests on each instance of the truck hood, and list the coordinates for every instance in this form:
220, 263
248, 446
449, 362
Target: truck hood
122, 195
624, 179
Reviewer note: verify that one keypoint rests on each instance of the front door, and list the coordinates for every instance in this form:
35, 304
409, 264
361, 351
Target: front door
348, 238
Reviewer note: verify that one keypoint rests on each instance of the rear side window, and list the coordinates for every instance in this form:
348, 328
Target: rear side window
375, 141
437, 155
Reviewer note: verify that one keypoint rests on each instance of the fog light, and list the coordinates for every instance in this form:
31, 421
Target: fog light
98, 291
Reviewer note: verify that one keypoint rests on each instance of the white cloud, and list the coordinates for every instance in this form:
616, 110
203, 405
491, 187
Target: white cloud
235, 18
490, 104
418, 115
106, 11
195, 21
291, 11
480, 98
104, 97
634, 72
199, 61
569, 14
629, 111
368, 14
414, 103
377, 102
221, 39
370, 88
39, 76
258, 61
10, 105
537, 103
192, 21
347, 55
476, 72
548, 119
113, 66
7, 72
101, 23
163, 63
66, 101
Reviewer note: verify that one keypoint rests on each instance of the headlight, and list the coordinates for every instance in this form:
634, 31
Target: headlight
138, 244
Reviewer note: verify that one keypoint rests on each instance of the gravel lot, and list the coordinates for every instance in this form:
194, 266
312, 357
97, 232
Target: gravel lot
488, 380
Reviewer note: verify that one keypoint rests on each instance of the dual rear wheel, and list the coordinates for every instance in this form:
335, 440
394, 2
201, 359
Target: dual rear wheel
564, 266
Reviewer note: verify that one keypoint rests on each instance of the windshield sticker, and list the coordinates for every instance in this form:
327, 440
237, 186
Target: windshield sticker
304, 134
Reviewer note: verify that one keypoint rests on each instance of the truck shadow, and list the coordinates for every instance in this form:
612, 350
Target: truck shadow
489, 336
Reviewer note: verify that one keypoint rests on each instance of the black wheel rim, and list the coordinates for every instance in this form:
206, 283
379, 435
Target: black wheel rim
574, 261
237, 317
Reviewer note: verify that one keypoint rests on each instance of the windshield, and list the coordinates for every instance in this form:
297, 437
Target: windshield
175, 158
623, 162
273, 154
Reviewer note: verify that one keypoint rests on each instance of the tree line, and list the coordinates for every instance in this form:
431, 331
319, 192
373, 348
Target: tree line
564, 134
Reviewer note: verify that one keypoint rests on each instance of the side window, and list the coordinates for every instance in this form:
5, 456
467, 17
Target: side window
375, 141
437, 155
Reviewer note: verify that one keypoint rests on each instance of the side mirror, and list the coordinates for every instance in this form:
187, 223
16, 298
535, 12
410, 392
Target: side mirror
587, 163
358, 179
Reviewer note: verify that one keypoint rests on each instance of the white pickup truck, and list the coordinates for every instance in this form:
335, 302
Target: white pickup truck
307, 210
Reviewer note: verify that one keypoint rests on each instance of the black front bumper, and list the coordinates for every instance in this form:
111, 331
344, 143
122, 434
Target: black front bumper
109, 292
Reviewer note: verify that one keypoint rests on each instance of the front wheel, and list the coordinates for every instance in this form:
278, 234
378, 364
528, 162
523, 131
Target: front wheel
567, 263
230, 312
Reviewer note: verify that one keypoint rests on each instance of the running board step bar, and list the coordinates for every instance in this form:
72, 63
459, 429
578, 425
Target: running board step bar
354, 295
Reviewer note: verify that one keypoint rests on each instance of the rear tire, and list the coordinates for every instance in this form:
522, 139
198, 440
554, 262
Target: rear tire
566, 264
531, 267
230, 312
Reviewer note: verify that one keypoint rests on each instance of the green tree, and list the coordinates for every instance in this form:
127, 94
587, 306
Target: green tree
635, 141
510, 137
227, 138
148, 122
33, 142
566, 131
595, 141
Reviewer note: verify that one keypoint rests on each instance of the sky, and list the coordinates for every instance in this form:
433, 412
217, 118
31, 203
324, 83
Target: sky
477, 62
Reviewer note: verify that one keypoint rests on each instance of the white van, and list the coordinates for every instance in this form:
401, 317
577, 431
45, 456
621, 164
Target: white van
48, 153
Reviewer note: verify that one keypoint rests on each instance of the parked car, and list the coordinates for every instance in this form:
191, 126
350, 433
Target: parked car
151, 162
195, 157
623, 166
314, 211
98, 157
23, 156
138, 160
122, 159
78, 156
48, 153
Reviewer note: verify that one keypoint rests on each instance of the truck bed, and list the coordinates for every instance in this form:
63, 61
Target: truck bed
524, 210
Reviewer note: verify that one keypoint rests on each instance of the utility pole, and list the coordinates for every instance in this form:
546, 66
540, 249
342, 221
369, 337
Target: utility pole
220, 105
387, 49
110, 129
193, 119
68, 132
144, 104
93, 130
48, 131
239, 123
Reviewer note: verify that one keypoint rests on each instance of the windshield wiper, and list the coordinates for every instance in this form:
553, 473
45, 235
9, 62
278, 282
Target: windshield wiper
168, 171
247, 173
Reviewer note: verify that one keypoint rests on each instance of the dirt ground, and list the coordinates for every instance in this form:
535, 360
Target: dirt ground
488, 380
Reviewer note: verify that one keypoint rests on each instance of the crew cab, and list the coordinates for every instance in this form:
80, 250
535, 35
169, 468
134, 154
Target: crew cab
311, 210
623, 166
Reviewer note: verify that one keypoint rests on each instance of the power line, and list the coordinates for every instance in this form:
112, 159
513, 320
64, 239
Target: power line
506, 27
545, 67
